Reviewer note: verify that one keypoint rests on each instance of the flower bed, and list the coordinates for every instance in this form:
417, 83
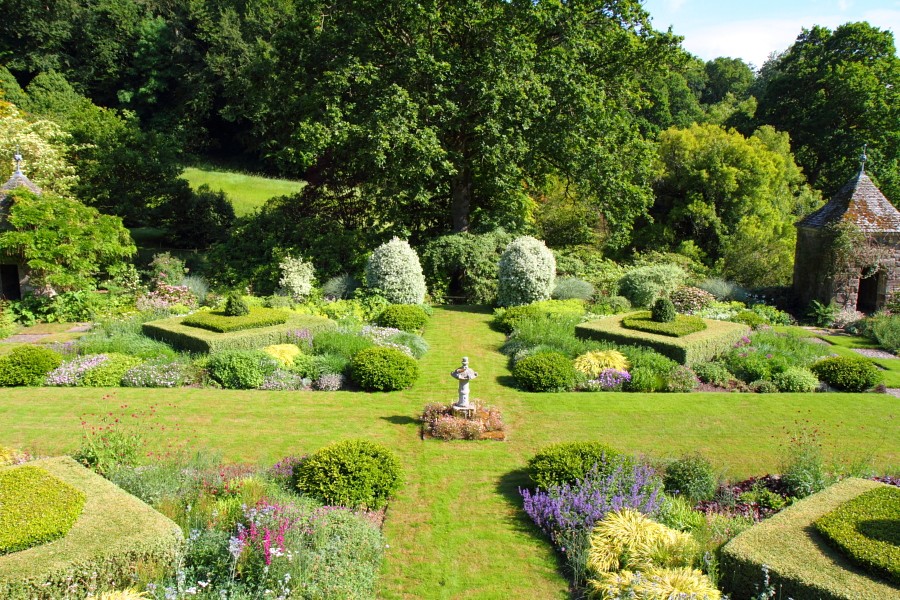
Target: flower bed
440, 422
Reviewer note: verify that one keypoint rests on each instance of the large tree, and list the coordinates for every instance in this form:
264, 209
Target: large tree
445, 115
834, 91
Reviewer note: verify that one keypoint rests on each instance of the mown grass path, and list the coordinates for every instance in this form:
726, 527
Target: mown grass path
456, 529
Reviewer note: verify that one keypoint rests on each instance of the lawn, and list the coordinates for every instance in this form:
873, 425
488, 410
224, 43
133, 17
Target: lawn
456, 529
246, 192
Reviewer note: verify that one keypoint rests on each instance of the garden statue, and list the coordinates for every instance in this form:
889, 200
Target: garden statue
464, 374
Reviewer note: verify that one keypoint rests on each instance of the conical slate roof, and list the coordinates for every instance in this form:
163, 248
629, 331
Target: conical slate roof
17, 180
858, 202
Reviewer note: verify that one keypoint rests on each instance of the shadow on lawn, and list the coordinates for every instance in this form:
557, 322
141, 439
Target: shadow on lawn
401, 420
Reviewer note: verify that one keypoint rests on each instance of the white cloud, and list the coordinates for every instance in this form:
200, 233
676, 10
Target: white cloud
674, 5
844, 4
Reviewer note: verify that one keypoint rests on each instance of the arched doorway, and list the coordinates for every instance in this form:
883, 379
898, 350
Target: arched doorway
870, 296
9, 282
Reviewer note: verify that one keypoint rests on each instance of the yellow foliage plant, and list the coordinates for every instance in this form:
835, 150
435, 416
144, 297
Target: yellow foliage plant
128, 594
626, 539
594, 363
655, 584
283, 353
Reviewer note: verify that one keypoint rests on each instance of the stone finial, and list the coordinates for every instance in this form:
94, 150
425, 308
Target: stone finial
18, 158
863, 158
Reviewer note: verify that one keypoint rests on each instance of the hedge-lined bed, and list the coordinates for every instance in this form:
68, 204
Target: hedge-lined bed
116, 538
716, 339
681, 326
801, 565
219, 322
173, 331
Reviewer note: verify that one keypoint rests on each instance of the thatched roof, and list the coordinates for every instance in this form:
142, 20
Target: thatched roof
860, 203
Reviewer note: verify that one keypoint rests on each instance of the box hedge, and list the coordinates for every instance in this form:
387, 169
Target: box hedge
221, 322
679, 326
702, 346
116, 541
193, 339
801, 564
867, 530
36, 508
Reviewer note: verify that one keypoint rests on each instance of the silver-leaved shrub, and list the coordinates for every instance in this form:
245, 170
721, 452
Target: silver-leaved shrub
297, 277
394, 270
527, 272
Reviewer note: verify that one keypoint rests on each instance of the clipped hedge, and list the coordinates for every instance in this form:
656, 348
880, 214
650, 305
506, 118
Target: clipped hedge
867, 530
36, 508
801, 565
116, 540
193, 339
848, 373
702, 346
406, 317
221, 322
679, 326
379, 369
27, 365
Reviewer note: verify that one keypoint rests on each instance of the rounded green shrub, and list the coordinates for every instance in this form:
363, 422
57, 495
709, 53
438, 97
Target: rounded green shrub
749, 317
681, 379
110, 372
236, 306
241, 369
713, 373
796, 379
395, 272
691, 476
383, 369
526, 272
406, 317
568, 462
351, 473
763, 386
568, 288
545, 372
663, 311
847, 373
27, 365
643, 285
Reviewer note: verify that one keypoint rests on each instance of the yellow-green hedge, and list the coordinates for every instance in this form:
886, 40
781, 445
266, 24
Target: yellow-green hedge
116, 541
866, 530
35, 507
801, 564
702, 346
682, 325
219, 322
193, 339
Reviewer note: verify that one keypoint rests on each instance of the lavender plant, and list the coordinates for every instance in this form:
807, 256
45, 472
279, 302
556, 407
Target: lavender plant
610, 380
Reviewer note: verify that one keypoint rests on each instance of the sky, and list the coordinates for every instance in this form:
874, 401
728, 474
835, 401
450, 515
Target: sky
752, 29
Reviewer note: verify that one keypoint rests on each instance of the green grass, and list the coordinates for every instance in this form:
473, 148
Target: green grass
456, 529
246, 192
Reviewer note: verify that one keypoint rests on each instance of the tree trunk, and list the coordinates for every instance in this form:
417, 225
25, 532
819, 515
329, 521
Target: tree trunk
461, 199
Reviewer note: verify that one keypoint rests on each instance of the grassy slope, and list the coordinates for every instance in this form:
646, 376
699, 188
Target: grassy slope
456, 529
246, 192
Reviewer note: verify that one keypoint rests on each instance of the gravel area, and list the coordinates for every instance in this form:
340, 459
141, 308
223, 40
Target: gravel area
24, 338
895, 392
872, 353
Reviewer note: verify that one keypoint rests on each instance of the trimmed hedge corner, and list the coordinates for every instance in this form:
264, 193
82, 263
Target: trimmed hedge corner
222, 322
702, 346
36, 508
193, 339
867, 529
801, 565
116, 539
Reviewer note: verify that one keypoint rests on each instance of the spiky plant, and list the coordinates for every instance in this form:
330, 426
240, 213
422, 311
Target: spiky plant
626, 539
594, 363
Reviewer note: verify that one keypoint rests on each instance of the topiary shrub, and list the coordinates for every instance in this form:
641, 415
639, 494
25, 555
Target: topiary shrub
568, 462
27, 365
568, 288
406, 317
796, 379
526, 272
395, 272
663, 311
643, 285
351, 473
383, 369
847, 373
594, 363
110, 372
297, 277
545, 372
236, 306
241, 369
692, 476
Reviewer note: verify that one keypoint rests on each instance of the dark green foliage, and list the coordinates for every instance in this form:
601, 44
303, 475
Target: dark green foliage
885, 328
351, 473
406, 317
27, 365
37, 508
848, 373
692, 476
713, 373
679, 326
663, 311
463, 266
240, 369
196, 219
339, 287
110, 372
568, 462
867, 530
236, 306
340, 342
822, 315
222, 322
545, 372
380, 369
